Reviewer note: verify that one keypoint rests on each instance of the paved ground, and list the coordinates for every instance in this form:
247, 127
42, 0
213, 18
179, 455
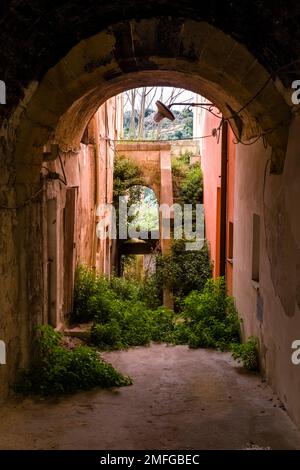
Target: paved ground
181, 399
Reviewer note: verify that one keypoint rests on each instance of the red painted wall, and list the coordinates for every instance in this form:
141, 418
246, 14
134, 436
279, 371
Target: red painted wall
231, 152
211, 168
211, 155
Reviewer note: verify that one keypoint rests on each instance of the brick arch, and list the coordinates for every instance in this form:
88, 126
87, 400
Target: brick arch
193, 55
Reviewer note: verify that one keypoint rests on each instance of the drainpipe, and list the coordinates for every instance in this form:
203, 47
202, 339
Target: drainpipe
97, 158
223, 214
106, 149
95, 139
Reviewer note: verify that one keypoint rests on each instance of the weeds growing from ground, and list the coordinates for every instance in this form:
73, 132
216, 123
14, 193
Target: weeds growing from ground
122, 317
57, 370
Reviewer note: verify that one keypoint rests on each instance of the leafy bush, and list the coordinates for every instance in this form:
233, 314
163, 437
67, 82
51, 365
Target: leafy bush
183, 271
85, 289
120, 319
125, 289
247, 353
56, 370
180, 168
99, 306
187, 180
136, 324
208, 317
151, 291
211, 317
127, 174
191, 191
162, 324
210, 303
181, 333
96, 297
107, 335
127, 314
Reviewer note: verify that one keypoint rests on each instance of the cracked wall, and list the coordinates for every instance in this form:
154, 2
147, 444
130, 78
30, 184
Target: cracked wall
270, 310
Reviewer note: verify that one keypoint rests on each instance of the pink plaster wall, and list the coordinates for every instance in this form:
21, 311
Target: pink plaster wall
211, 168
231, 154
270, 308
89, 175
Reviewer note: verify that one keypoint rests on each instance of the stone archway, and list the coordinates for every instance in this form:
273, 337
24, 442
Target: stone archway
59, 107
59, 101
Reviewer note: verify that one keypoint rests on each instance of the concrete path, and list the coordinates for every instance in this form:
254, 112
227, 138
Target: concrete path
181, 399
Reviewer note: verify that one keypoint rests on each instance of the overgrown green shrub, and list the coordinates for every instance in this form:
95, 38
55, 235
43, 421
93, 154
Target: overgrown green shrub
247, 353
151, 291
210, 303
211, 317
187, 180
127, 174
180, 168
183, 271
208, 319
181, 333
56, 370
85, 289
136, 326
120, 319
191, 190
98, 298
162, 324
107, 335
125, 289
123, 316
103, 305
128, 179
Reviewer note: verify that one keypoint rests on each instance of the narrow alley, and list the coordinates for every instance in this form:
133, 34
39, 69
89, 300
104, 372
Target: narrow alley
149, 226
181, 399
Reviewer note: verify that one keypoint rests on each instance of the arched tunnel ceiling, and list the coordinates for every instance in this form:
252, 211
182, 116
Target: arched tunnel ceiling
155, 51
34, 35
57, 70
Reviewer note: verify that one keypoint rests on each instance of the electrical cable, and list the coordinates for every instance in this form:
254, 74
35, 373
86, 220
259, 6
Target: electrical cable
63, 171
208, 107
34, 195
252, 99
155, 140
25, 203
215, 133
